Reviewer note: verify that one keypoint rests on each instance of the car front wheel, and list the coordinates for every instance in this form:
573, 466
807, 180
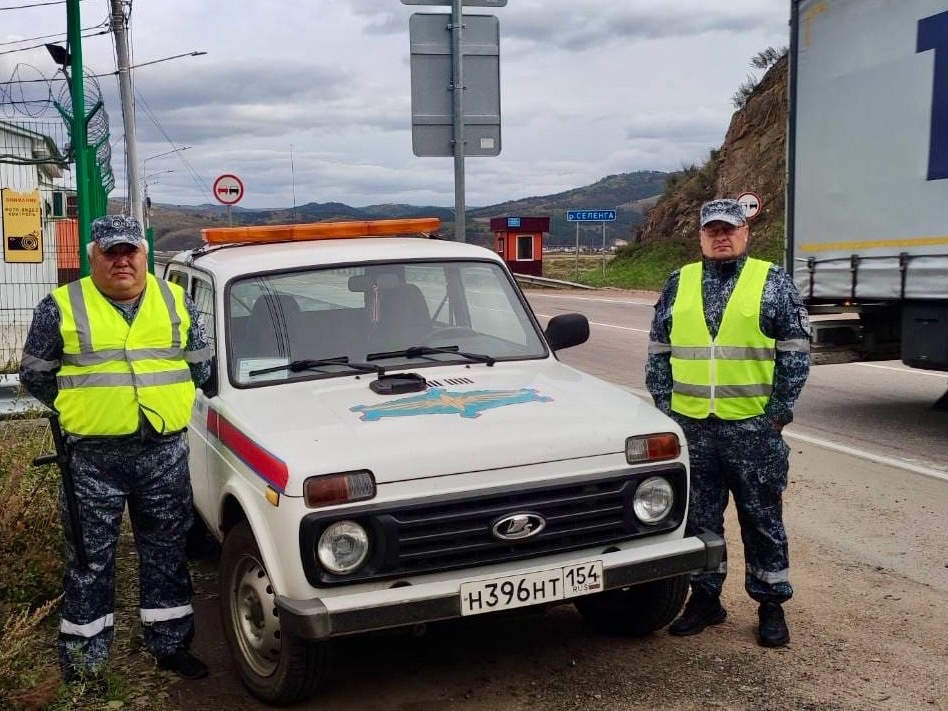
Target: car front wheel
276, 668
637, 610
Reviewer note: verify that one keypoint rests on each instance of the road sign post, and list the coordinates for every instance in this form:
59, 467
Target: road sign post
602, 216
453, 113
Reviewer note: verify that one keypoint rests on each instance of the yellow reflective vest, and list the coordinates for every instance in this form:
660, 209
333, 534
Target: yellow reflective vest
112, 372
730, 376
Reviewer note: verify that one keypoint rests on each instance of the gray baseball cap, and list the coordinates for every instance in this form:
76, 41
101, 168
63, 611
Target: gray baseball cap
725, 210
111, 230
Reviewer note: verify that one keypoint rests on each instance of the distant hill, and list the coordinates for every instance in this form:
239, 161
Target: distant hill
631, 194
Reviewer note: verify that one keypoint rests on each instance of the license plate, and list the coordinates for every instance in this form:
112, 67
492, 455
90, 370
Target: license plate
531, 588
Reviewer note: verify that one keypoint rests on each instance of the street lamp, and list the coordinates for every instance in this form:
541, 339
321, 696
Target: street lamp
149, 233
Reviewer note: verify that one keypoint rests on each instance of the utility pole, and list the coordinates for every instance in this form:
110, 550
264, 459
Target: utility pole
128, 113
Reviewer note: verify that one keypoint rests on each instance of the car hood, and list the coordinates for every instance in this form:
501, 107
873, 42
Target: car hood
468, 419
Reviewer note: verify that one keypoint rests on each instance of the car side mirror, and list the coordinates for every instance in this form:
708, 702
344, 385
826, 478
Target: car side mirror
566, 331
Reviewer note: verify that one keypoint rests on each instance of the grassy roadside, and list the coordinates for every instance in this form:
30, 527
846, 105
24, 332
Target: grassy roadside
646, 266
31, 571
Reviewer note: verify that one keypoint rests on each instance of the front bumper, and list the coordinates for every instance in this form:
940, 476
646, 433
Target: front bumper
318, 618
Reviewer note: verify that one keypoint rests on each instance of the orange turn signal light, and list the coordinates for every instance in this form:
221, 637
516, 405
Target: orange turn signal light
652, 448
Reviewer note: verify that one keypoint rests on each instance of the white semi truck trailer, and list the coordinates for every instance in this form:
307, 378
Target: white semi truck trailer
867, 199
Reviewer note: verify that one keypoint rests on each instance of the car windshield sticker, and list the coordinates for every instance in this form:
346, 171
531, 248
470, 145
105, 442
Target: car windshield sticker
245, 366
439, 401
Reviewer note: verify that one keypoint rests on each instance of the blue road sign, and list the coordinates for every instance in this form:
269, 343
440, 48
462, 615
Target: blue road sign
590, 215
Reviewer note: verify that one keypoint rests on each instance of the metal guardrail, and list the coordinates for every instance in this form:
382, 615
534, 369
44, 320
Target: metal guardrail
13, 399
555, 283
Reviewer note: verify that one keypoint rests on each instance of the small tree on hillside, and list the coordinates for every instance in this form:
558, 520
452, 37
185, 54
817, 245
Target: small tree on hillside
764, 60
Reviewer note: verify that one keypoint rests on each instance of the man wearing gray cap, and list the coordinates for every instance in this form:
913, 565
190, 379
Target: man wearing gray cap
117, 355
727, 359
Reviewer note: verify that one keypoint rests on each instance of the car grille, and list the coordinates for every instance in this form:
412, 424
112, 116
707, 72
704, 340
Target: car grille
457, 533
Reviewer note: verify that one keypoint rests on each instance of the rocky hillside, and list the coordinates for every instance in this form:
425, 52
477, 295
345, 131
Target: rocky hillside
752, 158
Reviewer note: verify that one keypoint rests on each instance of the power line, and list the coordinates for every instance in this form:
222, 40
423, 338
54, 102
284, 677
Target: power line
204, 187
37, 46
55, 34
35, 4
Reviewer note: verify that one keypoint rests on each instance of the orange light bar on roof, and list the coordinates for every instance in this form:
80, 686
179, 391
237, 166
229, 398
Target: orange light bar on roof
319, 230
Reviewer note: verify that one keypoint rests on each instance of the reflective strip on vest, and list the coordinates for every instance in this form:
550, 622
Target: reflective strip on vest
731, 375
115, 373
111, 380
38, 365
89, 629
163, 614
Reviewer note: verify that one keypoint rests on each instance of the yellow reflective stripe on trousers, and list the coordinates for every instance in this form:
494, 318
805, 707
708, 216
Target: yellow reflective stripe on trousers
89, 629
163, 614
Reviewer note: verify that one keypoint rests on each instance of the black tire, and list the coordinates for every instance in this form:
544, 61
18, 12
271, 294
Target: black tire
637, 610
277, 668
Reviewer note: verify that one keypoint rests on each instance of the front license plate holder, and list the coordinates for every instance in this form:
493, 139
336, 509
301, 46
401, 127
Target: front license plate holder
511, 591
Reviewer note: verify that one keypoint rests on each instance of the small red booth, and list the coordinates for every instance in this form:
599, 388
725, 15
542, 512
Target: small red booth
519, 241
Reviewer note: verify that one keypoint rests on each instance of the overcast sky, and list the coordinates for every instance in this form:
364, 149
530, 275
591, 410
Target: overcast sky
588, 88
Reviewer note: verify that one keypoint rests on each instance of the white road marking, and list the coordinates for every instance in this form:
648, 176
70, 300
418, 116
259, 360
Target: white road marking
604, 325
924, 469
931, 471
633, 302
907, 371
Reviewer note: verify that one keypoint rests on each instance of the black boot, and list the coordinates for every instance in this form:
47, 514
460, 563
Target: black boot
700, 611
773, 630
184, 664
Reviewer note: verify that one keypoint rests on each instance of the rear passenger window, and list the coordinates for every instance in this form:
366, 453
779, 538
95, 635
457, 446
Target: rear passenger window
203, 294
176, 276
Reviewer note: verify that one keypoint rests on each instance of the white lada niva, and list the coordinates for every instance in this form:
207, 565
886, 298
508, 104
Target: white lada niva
389, 440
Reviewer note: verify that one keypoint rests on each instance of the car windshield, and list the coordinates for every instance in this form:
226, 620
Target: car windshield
457, 311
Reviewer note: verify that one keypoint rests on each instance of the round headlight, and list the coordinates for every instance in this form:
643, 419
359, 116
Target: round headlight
343, 547
653, 500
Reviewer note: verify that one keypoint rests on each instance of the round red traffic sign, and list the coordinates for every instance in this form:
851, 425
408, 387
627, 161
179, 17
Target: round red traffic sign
228, 189
751, 203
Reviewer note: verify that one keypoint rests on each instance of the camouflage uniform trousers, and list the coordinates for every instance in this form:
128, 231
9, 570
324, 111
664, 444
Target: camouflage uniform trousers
749, 459
152, 478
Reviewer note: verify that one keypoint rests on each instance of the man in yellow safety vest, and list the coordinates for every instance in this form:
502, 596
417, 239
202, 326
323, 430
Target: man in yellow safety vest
118, 355
728, 357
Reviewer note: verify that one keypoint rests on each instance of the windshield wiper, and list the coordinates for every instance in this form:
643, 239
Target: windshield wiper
298, 366
422, 351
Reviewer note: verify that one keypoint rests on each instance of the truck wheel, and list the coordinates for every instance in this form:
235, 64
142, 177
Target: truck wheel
637, 610
276, 668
